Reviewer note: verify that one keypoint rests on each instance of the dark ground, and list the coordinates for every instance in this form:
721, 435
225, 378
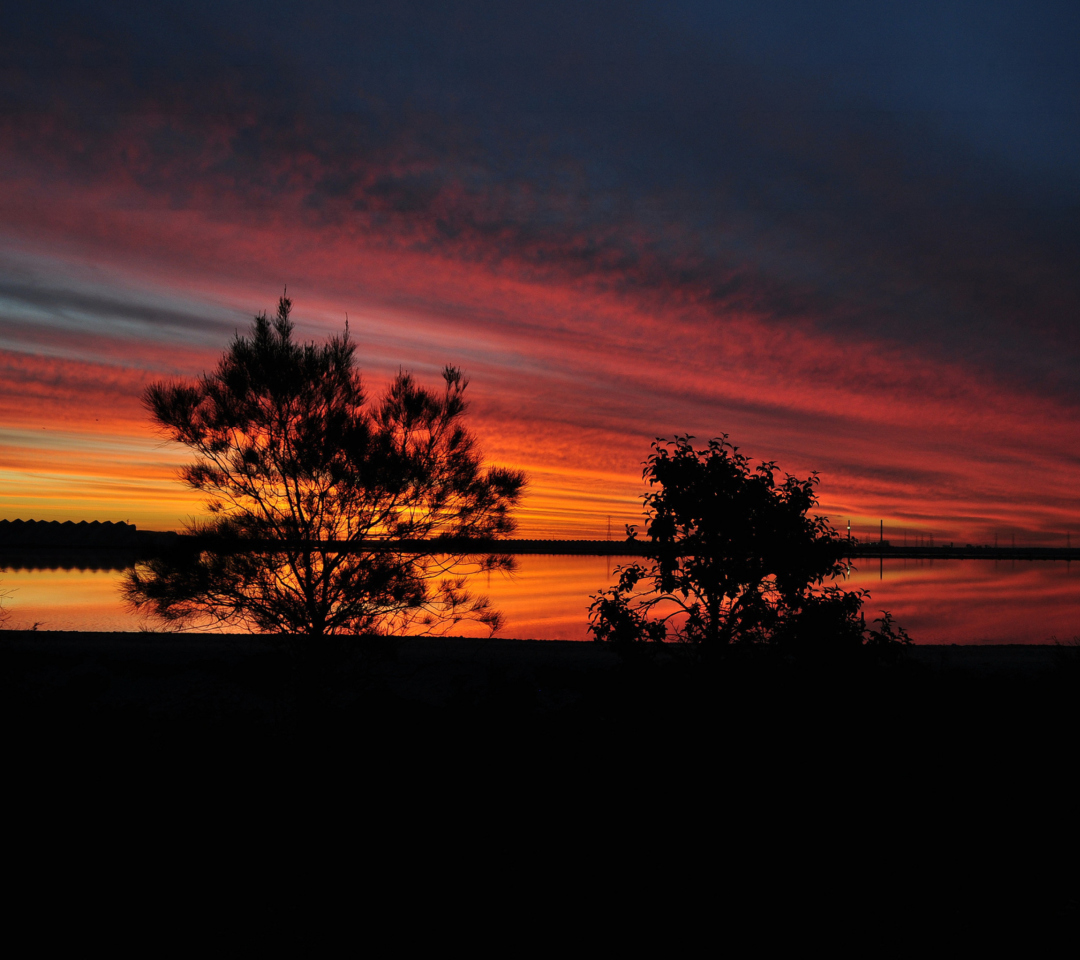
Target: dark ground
202, 690
947, 776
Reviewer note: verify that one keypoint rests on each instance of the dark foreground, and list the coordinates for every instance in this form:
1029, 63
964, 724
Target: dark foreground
946, 776
209, 693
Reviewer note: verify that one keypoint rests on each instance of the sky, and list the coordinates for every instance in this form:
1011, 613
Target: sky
844, 234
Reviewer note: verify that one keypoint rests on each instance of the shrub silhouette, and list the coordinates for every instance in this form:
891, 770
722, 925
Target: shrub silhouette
735, 557
294, 463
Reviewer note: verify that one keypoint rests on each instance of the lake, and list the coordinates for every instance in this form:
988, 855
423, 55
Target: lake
937, 601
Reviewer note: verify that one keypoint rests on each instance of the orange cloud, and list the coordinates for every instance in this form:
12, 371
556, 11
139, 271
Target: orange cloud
575, 369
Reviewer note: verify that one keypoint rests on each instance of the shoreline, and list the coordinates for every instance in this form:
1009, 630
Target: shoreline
969, 657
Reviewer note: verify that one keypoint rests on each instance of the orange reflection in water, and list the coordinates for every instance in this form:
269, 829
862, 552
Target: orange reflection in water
951, 601
974, 601
65, 600
545, 598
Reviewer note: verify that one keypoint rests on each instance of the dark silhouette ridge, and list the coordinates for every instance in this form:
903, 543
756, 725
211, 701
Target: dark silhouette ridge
52, 545
967, 551
29, 535
736, 558
295, 462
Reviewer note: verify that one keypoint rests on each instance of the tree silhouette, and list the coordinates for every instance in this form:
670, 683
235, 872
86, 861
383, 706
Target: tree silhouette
736, 556
295, 463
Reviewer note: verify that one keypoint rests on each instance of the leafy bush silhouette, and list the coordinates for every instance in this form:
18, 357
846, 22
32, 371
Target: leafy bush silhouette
736, 557
295, 463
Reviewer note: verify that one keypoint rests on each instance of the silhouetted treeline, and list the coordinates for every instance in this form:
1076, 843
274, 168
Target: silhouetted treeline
95, 545
51, 545
33, 534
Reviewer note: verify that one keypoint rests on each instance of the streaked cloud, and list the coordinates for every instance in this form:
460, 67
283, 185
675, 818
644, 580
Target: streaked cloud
622, 222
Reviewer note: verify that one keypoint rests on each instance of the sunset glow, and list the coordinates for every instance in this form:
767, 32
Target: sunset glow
613, 248
958, 601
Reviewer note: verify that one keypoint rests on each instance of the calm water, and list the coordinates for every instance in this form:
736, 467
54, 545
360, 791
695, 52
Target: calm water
940, 601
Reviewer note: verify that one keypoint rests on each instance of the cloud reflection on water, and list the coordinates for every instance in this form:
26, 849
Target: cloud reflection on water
942, 601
